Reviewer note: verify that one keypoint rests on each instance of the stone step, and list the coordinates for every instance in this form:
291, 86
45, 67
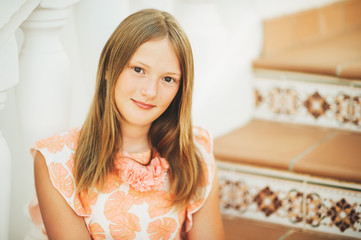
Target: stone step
324, 40
320, 152
246, 229
302, 177
339, 56
309, 71
294, 171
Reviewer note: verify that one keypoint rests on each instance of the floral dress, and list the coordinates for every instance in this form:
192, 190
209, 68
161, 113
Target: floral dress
135, 201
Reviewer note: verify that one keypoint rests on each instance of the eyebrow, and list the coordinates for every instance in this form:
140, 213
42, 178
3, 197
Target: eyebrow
172, 73
147, 66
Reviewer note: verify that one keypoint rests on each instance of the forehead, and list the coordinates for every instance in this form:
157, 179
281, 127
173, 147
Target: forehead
159, 54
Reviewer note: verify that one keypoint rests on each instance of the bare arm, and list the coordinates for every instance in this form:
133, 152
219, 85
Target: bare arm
60, 221
207, 221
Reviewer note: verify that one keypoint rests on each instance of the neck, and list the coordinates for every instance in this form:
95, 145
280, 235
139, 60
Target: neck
135, 138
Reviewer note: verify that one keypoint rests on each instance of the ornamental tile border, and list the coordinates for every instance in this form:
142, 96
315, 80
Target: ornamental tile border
290, 202
305, 102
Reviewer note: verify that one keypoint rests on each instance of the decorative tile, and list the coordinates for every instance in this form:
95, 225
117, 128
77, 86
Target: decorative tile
343, 103
355, 112
348, 109
283, 101
314, 209
343, 215
258, 98
294, 205
267, 201
306, 102
235, 195
316, 105
338, 210
257, 197
290, 201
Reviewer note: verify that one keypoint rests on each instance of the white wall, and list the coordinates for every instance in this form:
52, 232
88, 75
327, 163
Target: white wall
225, 35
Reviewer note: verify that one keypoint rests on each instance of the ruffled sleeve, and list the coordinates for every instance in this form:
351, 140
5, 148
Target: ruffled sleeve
204, 143
59, 151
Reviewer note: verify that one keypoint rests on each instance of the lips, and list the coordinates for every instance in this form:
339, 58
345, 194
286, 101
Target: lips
143, 105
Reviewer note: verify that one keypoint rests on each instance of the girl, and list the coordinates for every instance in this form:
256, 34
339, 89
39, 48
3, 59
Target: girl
137, 169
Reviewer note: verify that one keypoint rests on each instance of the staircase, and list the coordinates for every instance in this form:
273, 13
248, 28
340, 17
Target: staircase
294, 170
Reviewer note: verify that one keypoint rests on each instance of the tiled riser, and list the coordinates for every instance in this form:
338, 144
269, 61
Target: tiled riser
319, 104
294, 203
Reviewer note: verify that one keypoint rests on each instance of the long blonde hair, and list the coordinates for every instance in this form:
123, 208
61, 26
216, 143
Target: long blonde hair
170, 135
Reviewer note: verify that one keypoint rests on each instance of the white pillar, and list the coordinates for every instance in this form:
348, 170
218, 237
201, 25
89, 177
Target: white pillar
44, 91
5, 184
8, 78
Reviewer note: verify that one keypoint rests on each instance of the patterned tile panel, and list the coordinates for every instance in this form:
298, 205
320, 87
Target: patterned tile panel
258, 198
291, 202
338, 210
312, 103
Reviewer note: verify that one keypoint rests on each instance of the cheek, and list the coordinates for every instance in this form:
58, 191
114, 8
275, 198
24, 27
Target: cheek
125, 85
170, 96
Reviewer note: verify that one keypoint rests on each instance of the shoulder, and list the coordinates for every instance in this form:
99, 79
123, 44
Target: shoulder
57, 143
204, 143
58, 151
58, 148
203, 138
55, 155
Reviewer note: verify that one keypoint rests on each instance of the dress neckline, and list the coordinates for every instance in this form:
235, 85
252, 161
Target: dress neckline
140, 171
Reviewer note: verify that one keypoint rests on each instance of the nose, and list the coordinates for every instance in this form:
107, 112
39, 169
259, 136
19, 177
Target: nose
149, 88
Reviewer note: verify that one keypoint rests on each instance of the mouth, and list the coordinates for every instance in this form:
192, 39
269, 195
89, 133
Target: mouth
143, 105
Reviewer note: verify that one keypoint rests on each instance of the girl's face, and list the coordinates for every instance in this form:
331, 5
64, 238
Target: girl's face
148, 84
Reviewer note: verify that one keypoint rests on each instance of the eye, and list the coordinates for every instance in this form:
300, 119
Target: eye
168, 79
138, 70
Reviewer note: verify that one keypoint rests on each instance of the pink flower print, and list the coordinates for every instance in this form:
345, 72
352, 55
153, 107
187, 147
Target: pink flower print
179, 235
70, 163
181, 216
53, 144
78, 207
124, 226
112, 183
84, 200
195, 205
192, 208
35, 213
161, 229
203, 138
71, 138
117, 204
61, 179
159, 204
140, 197
96, 231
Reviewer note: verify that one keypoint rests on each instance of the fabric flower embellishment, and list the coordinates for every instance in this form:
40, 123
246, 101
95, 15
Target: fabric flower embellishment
141, 177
